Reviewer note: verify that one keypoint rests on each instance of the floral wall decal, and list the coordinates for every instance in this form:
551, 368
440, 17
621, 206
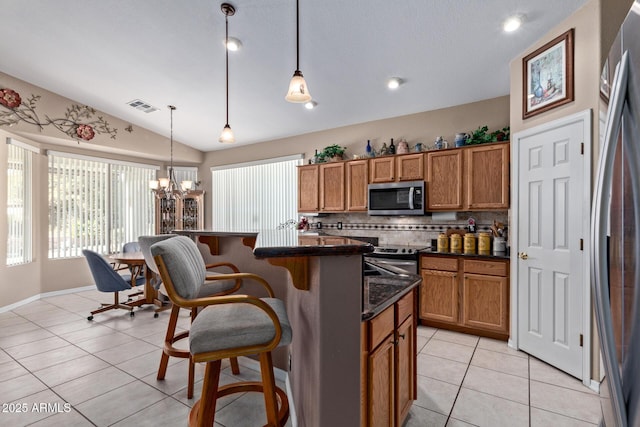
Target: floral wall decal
79, 121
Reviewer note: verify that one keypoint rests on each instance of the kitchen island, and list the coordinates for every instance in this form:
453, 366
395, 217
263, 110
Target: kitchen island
324, 298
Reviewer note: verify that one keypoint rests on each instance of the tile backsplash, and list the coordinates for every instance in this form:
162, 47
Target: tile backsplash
402, 230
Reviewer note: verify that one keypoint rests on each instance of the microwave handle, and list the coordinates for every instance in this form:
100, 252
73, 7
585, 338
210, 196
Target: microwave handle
411, 191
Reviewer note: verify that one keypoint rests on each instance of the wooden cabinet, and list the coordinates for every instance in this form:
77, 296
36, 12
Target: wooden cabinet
180, 213
465, 294
444, 180
332, 187
389, 381
403, 167
410, 167
469, 178
487, 176
308, 188
357, 181
382, 169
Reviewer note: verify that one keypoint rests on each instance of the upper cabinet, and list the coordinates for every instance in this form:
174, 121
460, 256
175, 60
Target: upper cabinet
487, 176
470, 178
308, 188
332, 187
403, 167
357, 181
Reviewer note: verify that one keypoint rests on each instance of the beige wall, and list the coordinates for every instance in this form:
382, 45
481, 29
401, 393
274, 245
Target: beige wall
596, 25
421, 127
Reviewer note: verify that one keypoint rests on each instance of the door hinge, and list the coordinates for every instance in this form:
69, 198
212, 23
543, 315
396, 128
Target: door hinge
582, 148
581, 340
582, 244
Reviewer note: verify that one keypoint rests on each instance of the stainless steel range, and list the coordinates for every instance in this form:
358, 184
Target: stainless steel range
403, 257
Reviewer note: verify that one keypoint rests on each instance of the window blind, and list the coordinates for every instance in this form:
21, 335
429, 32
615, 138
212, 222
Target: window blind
253, 196
19, 204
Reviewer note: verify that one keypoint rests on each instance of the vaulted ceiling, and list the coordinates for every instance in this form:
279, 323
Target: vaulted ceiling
105, 53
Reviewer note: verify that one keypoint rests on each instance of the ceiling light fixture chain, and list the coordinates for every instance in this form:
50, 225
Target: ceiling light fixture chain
227, 134
298, 91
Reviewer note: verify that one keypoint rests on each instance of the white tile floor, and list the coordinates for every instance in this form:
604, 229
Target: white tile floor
58, 369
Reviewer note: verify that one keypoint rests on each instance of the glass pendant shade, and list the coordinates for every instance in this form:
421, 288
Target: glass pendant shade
164, 182
226, 137
186, 185
298, 91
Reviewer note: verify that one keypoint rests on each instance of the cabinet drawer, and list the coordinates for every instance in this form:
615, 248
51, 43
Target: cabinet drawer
490, 268
439, 263
404, 308
380, 327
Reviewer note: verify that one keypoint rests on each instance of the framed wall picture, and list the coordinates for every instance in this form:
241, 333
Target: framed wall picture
605, 82
547, 76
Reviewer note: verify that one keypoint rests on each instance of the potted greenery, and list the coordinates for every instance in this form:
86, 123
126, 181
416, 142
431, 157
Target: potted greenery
332, 153
482, 135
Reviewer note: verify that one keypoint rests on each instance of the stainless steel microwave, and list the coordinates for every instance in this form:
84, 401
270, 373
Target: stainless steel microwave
397, 198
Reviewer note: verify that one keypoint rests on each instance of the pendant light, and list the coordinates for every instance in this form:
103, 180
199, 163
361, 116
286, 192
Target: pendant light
168, 187
226, 137
298, 91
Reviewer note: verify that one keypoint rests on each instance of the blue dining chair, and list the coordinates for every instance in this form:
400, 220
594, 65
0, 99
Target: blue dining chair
108, 280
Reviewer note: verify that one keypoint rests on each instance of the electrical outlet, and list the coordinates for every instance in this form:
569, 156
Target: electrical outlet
339, 226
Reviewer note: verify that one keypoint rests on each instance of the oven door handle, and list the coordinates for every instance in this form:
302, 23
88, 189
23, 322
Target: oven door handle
394, 262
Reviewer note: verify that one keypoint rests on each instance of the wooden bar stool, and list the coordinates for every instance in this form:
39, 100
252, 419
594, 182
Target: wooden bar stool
228, 326
205, 283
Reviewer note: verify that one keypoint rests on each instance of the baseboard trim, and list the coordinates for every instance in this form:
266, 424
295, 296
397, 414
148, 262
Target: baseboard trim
44, 295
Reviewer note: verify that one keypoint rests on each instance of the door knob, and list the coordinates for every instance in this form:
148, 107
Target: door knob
523, 255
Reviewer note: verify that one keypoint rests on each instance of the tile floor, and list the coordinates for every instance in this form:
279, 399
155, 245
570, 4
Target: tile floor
58, 369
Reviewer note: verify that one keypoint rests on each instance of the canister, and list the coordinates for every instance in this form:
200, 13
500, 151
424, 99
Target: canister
443, 243
456, 243
484, 243
469, 243
499, 245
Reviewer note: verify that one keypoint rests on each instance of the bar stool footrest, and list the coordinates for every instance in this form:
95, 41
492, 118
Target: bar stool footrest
243, 387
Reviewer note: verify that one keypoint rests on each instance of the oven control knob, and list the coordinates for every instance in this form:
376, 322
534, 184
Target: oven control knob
403, 250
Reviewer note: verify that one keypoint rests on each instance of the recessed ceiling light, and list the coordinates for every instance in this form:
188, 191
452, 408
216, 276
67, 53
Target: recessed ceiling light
310, 105
394, 83
233, 44
512, 24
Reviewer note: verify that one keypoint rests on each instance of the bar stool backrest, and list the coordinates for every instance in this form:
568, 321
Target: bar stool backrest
184, 263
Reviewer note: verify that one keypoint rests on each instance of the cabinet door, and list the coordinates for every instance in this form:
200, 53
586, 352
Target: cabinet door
166, 220
439, 296
381, 384
487, 176
308, 188
444, 180
486, 302
410, 167
382, 169
332, 187
357, 180
405, 369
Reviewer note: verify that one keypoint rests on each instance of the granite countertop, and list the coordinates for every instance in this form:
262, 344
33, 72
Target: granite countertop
295, 243
219, 232
431, 251
380, 292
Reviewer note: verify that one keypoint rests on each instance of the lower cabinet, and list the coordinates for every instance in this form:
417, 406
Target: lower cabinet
388, 364
468, 295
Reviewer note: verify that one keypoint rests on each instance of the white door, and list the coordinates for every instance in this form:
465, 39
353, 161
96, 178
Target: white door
550, 261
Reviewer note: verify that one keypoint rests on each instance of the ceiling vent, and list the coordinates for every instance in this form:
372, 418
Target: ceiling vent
142, 106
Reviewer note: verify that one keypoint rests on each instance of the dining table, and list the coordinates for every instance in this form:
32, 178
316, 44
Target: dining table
136, 263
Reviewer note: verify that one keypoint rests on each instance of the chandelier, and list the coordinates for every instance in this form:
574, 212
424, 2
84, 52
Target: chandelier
168, 187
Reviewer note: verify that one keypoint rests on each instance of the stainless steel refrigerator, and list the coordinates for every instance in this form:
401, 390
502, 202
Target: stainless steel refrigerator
616, 230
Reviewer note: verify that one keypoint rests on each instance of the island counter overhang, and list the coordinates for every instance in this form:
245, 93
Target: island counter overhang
325, 307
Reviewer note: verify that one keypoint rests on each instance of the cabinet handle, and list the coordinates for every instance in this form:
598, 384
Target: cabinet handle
401, 336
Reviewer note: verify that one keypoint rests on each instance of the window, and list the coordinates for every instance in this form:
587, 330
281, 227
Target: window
256, 195
97, 204
19, 210
184, 173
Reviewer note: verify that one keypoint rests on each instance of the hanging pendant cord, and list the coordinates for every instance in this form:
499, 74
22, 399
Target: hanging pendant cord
297, 38
226, 49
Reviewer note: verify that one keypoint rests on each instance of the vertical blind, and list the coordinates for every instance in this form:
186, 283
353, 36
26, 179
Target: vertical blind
185, 173
257, 195
19, 206
95, 204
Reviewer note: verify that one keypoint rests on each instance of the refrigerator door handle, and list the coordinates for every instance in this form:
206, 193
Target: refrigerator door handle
599, 253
